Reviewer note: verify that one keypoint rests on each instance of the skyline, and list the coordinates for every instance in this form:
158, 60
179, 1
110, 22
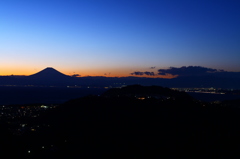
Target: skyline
168, 73
117, 38
184, 77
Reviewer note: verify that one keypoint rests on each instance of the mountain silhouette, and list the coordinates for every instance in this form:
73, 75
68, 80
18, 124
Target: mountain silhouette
49, 77
49, 73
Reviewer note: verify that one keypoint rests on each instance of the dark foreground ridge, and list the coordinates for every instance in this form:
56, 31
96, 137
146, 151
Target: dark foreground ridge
132, 122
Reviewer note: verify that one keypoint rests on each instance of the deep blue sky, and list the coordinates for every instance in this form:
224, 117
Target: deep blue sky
117, 37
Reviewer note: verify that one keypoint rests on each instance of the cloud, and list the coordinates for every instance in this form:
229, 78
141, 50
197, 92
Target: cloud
152, 67
138, 73
75, 75
188, 71
105, 74
149, 73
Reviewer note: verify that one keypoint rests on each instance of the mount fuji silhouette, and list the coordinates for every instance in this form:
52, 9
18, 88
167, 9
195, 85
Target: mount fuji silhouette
49, 73
50, 77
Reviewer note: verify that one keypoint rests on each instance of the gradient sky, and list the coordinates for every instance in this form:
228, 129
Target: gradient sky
117, 37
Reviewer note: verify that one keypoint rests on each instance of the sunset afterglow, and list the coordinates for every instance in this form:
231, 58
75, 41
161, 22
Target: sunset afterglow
116, 38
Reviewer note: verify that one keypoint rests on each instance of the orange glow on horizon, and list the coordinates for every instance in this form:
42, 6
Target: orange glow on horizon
82, 73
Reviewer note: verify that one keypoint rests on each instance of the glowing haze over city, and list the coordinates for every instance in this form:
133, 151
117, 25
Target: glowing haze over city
117, 37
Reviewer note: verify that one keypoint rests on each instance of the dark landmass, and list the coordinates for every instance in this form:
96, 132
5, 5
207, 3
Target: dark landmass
146, 92
59, 95
207, 97
43, 95
131, 122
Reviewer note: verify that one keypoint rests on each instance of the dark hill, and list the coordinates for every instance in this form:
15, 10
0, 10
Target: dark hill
127, 127
147, 91
119, 126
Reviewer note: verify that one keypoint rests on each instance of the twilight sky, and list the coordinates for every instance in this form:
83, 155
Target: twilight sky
118, 37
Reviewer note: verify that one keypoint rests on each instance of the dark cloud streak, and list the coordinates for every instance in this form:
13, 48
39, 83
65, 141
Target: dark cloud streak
188, 71
75, 75
138, 73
